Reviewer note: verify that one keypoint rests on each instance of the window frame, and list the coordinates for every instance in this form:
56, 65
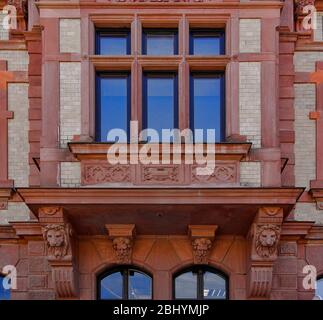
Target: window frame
125, 270
208, 74
158, 74
113, 32
221, 33
107, 74
200, 270
161, 31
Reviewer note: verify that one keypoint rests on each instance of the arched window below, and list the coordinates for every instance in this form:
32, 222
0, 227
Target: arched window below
200, 282
124, 283
319, 287
4, 293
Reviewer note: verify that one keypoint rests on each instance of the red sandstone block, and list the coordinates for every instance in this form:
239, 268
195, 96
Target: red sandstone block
34, 80
22, 267
286, 103
35, 103
37, 282
34, 91
36, 248
286, 113
34, 68
283, 295
286, 81
41, 295
34, 46
38, 264
287, 136
285, 265
286, 92
17, 295
34, 136
34, 114
34, 181
21, 284
286, 47
35, 125
34, 147
286, 125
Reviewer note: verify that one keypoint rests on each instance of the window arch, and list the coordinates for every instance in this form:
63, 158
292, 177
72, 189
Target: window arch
200, 282
4, 293
319, 287
124, 283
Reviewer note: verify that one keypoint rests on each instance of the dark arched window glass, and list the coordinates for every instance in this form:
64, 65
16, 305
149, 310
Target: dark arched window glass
125, 283
4, 293
200, 282
319, 287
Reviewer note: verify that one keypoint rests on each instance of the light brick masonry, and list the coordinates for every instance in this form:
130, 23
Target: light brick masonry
18, 128
70, 174
250, 35
305, 152
318, 32
308, 212
16, 60
16, 211
305, 61
4, 34
70, 101
250, 102
250, 174
70, 35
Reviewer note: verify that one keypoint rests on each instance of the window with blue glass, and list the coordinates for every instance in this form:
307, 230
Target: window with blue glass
207, 107
160, 103
207, 42
159, 42
201, 282
112, 106
319, 288
125, 283
4, 293
113, 42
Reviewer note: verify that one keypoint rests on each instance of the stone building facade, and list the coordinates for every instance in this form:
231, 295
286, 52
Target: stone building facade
55, 181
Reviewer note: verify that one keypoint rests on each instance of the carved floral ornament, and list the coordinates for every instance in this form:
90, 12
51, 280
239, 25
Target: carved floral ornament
57, 237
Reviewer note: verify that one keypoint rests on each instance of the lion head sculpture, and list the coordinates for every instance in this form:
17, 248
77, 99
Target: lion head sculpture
201, 248
57, 237
267, 237
123, 248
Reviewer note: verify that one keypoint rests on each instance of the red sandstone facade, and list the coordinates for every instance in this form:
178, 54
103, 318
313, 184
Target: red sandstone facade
259, 181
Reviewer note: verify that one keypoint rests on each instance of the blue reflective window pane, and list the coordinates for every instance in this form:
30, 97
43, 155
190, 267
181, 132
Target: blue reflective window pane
113, 43
186, 286
113, 107
207, 43
4, 293
319, 288
111, 286
160, 109
207, 108
214, 286
160, 44
139, 286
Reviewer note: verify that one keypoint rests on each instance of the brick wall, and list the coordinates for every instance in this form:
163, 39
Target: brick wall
4, 34
308, 212
318, 36
250, 174
250, 35
250, 102
305, 61
70, 173
305, 132
16, 60
18, 127
70, 101
70, 35
16, 211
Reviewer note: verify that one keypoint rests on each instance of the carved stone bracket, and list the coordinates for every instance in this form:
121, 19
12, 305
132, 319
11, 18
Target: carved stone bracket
264, 236
60, 241
202, 237
122, 236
